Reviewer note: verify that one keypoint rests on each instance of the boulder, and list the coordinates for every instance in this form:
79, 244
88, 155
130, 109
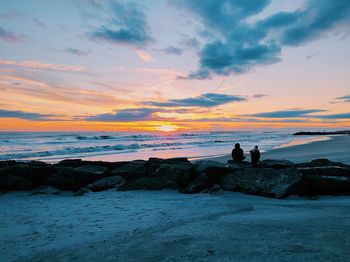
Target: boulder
46, 190
131, 170
36, 175
11, 183
325, 171
155, 160
7, 163
97, 170
326, 185
278, 183
179, 173
212, 169
197, 185
148, 183
238, 164
322, 162
68, 178
269, 163
106, 183
79, 162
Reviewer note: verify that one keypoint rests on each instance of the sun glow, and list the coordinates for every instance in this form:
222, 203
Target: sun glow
167, 128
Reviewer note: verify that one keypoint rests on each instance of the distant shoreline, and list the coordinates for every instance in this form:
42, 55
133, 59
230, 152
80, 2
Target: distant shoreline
324, 133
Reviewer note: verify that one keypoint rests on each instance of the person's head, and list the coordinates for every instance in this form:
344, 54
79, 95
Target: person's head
256, 147
237, 145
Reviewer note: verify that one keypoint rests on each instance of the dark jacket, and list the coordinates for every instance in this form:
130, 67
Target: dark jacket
255, 155
238, 154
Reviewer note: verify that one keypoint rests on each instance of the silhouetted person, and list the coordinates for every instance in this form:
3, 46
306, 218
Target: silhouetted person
237, 153
255, 156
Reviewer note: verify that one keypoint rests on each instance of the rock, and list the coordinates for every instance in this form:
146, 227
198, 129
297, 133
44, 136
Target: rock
214, 189
97, 170
326, 185
154, 160
322, 163
106, 183
278, 183
80, 192
325, 171
131, 170
79, 162
238, 164
202, 166
7, 163
179, 173
70, 163
197, 185
148, 183
46, 190
38, 163
68, 178
36, 175
269, 163
11, 183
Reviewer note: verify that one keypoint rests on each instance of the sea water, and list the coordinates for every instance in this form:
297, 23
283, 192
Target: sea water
117, 146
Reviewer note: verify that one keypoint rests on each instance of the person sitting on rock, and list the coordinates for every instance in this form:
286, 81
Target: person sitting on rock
255, 156
237, 153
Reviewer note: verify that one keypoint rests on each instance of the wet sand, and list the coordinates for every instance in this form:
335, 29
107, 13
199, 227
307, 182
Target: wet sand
336, 148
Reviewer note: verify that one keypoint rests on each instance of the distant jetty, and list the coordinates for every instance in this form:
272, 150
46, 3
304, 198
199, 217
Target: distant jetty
344, 132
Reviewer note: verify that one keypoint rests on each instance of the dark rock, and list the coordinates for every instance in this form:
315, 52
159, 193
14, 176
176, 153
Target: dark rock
179, 173
325, 171
79, 162
131, 170
7, 163
154, 160
37, 175
212, 169
70, 163
38, 163
11, 183
80, 192
46, 190
326, 185
321, 163
278, 183
237, 165
148, 183
106, 183
215, 188
68, 178
197, 185
269, 163
97, 170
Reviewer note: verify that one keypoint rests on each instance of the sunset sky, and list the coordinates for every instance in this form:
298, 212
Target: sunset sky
159, 65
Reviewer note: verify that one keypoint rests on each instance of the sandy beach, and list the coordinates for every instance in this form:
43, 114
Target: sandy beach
169, 226
336, 148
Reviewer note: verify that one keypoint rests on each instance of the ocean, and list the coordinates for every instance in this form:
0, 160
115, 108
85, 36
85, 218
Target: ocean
117, 146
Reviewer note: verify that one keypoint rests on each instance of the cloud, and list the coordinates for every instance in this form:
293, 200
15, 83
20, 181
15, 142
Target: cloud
24, 115
126, 24
204, 100
10, 37
42, 65
259, 96
144, 55
75, 51
343, 99
17, 14
239, 43
125, 115
171, 50
334, 116
292, 113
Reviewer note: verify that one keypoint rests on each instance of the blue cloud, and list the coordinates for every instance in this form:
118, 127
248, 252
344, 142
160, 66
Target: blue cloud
127, 24
173, 50
75, 51
204, 100
335, 116
293, 113
343, 98
125, 115
236, 45
24, 115
9, 36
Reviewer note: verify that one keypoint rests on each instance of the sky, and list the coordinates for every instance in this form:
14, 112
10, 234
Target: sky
174, 65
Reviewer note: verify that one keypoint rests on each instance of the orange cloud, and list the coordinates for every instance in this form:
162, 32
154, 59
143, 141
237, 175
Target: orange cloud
34, 64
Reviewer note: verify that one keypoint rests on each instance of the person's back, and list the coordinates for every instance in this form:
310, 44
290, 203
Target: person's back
255, 156
237, 153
